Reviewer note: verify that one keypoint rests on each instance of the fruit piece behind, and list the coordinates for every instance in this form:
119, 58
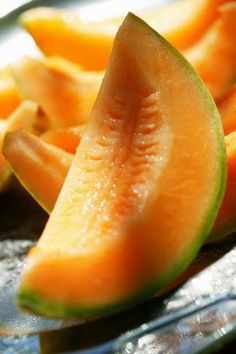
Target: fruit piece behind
40, 167
66, 98
62, 33
214, 55
22, 118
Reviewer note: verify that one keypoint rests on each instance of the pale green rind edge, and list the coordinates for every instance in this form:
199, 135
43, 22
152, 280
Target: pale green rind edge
30, 301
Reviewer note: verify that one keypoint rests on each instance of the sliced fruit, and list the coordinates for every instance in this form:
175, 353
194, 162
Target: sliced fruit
227, 108
184, 22
214, 56
226, 220
58, 32
67, 139
22, 118
66, 98
74, 338
9, 95
22, 149
61, 33
143, 190
40, 167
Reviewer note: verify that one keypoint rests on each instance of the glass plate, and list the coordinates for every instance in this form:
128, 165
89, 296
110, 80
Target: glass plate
157, 326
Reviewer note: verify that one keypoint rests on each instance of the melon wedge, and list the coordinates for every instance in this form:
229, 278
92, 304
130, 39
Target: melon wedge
40, 167
22, 118
58, 32
214, 55
143, 190
183, 22
65, 96
25, 153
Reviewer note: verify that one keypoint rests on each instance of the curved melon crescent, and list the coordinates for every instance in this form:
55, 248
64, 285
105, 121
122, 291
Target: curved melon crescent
143, 190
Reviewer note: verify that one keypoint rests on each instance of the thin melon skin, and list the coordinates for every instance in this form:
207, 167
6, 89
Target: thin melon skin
35, 295
31, 302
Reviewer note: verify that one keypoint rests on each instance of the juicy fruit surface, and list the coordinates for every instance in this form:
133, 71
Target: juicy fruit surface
26, 153
130, 214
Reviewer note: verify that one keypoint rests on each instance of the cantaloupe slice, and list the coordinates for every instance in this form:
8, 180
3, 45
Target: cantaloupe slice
143, 190
65, 97
40, 167
22, 118
67, 139
183, 22
58, 32
226, 221
214, 56
9, 95
227, 108
25, 152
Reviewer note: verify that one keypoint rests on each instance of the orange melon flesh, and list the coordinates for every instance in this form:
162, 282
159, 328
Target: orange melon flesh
143, 190
214, 56
22, 118
183, 22
40, 167
9, 94
226, 220
25, 152
227, 108
65, 97
58, 32
67, 139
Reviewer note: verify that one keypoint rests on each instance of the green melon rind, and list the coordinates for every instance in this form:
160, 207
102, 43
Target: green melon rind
33, 302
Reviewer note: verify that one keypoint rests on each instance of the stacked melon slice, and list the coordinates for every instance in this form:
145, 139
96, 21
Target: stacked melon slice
143, 190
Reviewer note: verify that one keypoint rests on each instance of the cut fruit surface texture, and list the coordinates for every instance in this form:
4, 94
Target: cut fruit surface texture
143, 190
